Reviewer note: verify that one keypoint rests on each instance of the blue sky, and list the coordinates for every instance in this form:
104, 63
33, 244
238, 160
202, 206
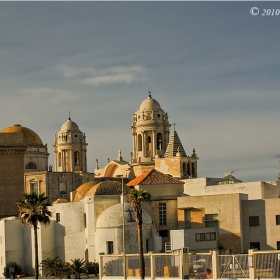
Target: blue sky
212, 66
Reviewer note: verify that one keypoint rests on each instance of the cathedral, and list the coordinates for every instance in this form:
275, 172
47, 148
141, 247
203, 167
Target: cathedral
153, 147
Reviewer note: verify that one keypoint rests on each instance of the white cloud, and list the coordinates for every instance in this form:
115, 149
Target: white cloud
110, 75
50, 94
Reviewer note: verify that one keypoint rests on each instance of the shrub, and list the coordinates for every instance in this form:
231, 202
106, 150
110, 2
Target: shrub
17, 269
92, 267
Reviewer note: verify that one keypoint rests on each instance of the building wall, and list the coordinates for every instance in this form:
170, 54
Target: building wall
268, 232
255, 190
11, 172
229, 210
56, 184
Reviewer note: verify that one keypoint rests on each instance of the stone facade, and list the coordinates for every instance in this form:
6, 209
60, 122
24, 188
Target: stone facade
12, 152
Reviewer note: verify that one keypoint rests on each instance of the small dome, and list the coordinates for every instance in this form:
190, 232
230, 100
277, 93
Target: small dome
149, 104
82, 190
113, 216
69, 125
106, 187
29, 136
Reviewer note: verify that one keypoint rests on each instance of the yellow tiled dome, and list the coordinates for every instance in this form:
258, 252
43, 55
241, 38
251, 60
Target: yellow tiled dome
29, 136
82, 190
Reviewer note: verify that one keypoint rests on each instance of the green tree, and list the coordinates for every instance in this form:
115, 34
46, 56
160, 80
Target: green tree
78, 266
32, 210
135, 198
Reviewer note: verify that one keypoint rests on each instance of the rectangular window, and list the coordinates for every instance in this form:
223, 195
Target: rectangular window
277, 219
34, 187
200, 237
254, 221
278, 245
255, 245
57, 217
211, 220
210, 236
162, 214
110, 247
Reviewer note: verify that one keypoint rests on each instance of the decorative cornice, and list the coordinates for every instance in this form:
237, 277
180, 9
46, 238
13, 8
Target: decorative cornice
12, 150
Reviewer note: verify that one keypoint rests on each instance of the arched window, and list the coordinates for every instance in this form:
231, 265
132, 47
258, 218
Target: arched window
59, 159
76, 158
159, 141
149, 143
193, 170
139, 142
30, 165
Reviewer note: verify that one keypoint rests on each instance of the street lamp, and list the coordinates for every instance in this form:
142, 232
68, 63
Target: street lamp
123, 235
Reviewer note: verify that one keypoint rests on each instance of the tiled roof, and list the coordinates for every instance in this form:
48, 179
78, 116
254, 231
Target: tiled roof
173, 146
153, 177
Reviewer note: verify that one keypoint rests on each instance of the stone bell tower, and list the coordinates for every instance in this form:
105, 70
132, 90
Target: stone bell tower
150, 133
70, 149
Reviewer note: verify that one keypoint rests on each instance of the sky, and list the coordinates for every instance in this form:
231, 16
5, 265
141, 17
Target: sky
213, 67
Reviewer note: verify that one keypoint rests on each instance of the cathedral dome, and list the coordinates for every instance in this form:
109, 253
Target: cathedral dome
106, 187
29, 136
149, 104
69, 125
82, 190
113, 216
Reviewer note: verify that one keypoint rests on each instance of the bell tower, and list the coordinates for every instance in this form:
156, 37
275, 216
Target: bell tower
70, 149
150, 132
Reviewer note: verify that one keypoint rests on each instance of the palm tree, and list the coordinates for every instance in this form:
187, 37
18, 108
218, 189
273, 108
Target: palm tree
32, 210
52, 267
78, 266
136, 197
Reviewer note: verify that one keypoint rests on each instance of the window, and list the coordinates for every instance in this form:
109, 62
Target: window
162, 214
210, 236
200, 237
278, 245
255, 245
110, 247
211, 220
277, 219
30, 165
163, 233
34, 187
76, 158
57, 217
254, 221
85, 220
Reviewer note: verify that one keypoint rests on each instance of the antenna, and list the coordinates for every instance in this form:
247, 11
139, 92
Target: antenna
69, 115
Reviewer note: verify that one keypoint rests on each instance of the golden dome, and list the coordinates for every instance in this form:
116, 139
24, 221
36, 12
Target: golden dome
29, 136
82, 190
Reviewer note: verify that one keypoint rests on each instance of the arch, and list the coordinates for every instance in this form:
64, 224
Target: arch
149, 143
159, 141
189, 169
110, 170
76, 158
59, 159
30, 165
139, 143
193, 170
